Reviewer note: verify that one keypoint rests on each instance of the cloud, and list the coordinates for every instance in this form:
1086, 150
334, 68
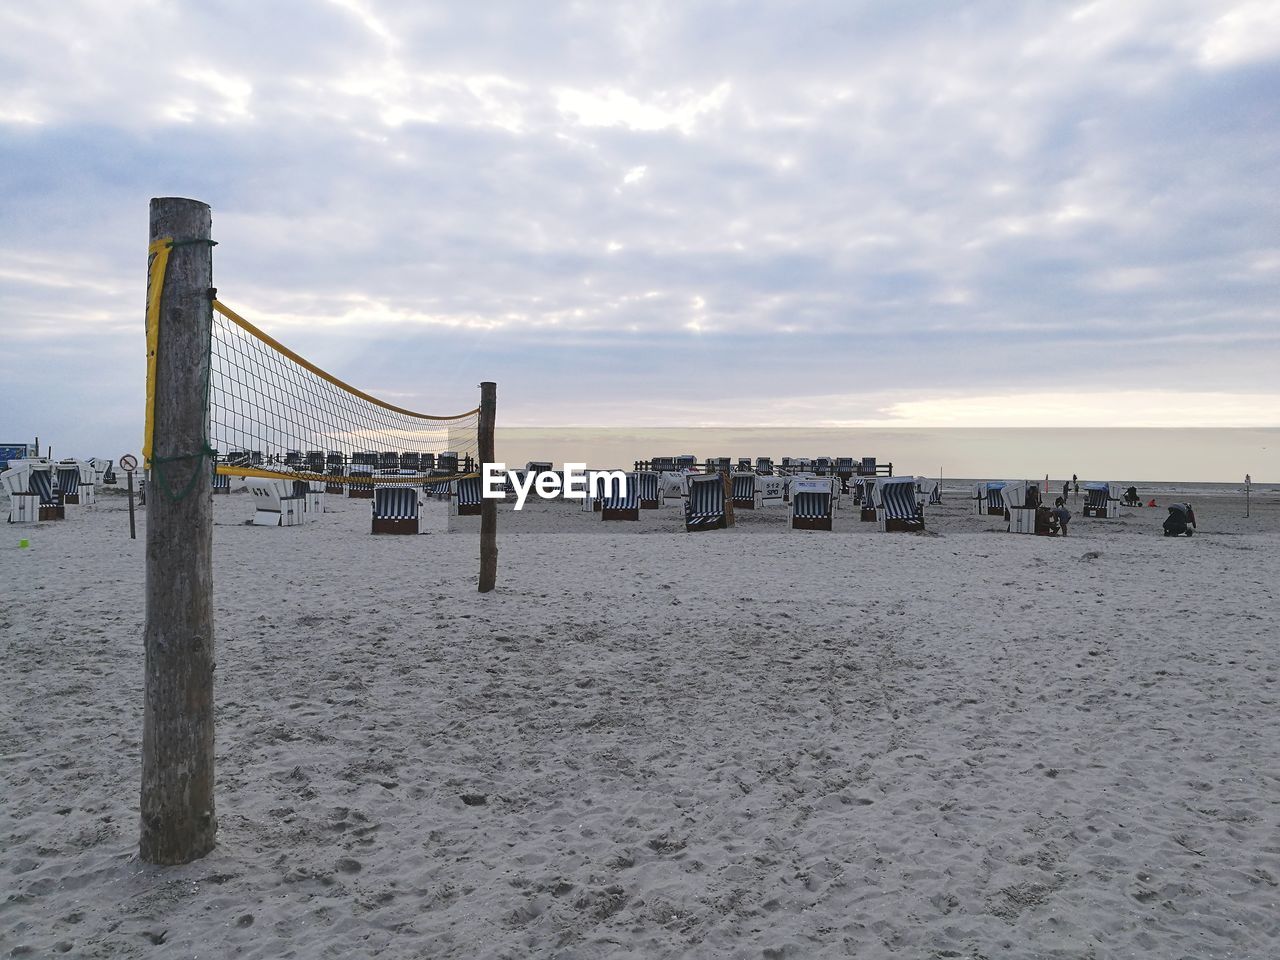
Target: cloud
916, 204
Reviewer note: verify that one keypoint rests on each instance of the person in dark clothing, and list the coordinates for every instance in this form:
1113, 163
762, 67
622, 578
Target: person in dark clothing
1066, 490
1032, 498
1061, 514
1180, 521
1131, 498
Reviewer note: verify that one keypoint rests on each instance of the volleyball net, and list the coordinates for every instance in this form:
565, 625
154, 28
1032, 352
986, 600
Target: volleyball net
273, 413
270, 407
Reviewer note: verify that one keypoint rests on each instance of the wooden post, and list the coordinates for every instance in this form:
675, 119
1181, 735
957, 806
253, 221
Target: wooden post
133, 530
488, 507
727, 480
178, 822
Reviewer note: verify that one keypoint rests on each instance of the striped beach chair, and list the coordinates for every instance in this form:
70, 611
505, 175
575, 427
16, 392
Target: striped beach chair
705, 505
812, 504
396, 510
68, 485
441, 488
43, 486
221, 481
468, 495
648, 490
988, 498
897, 509
360, 482
621, 504
864, 496
745, 494
1101, 500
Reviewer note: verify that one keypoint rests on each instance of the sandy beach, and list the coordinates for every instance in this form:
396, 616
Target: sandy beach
742, 743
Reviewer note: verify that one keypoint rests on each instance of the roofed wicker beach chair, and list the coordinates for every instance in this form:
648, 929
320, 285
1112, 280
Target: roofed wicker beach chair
590, 502
468, 495
68, 492
24, 500
221, 481
864, 495
746, 496
705, 507
929, 490
897, 509
360, 482
334, 466
42, 484
1025, 511
621, 504
988, 498
396, 509
275, 504
1101, 500
648, 489
812, 504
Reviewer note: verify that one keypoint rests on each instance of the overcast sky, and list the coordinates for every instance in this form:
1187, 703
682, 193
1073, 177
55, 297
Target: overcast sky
661, 213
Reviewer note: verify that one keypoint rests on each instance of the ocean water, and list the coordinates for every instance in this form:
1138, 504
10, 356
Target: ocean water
1155, 457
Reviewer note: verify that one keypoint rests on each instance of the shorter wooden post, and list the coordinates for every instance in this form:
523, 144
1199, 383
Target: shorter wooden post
488, 507
133, 530
727, 480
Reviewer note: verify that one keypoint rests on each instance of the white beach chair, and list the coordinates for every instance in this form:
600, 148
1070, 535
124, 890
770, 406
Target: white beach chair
314, 498
274, 502
24, 504
673, 486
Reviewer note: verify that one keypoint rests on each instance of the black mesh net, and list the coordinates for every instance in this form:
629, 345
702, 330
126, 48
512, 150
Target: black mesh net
270, 409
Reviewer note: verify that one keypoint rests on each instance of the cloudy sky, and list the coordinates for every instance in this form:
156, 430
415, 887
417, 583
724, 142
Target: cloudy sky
905, 213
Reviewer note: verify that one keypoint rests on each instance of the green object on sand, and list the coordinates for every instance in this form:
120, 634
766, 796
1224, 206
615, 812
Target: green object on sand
23, 544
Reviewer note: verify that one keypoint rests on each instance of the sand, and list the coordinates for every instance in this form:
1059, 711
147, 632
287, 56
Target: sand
747, 743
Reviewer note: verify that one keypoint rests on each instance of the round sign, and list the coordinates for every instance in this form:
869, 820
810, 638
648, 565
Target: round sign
128, 463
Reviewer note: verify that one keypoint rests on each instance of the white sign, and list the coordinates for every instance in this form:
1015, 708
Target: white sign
128, 463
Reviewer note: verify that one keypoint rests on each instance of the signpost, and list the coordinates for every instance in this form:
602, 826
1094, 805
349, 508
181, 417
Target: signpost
1247, 483
129, 463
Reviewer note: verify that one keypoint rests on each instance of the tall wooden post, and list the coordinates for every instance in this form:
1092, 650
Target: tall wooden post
488, 508
178, 821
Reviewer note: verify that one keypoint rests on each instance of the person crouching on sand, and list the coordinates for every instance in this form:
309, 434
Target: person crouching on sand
1061, 514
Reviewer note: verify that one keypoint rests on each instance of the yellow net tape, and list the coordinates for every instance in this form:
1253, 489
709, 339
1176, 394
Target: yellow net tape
157, 266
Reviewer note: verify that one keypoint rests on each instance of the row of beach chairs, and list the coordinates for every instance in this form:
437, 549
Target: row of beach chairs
41, 489
894, 502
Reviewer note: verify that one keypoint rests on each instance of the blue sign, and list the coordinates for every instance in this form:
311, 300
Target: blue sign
13, 451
